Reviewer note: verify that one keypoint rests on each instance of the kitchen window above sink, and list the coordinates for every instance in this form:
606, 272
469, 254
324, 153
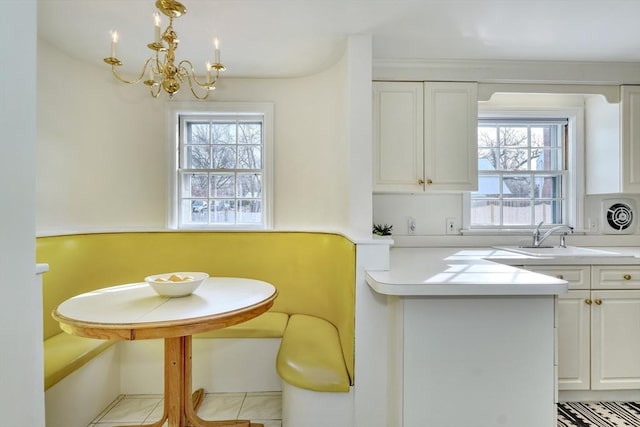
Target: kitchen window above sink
530, 152
521, 172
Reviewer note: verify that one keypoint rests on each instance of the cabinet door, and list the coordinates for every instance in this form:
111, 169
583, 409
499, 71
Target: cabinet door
630, 127
398, 151
573, 340
615, 340
451, 136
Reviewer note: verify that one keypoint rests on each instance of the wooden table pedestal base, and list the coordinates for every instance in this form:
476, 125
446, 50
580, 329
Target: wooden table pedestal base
180, 405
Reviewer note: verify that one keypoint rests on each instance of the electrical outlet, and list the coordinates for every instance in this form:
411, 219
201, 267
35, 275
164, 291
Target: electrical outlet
593, 225
452, 226
411, 225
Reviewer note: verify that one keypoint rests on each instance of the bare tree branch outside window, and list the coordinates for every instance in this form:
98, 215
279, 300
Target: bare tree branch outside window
222, 170
521, 168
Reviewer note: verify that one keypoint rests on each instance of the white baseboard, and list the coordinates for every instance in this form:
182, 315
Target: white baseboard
599, 395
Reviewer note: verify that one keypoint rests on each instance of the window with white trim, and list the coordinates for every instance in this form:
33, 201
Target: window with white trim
523, 173
223, 177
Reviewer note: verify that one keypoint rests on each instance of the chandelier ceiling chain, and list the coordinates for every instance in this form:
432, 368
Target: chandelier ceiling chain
161, 69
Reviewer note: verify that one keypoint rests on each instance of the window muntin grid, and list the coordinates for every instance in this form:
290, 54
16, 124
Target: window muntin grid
522, 173
221, 171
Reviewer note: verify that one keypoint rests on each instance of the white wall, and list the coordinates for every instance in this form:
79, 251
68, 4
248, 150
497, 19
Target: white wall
602, 123
21, 369
360, 130
101, 147
429, 211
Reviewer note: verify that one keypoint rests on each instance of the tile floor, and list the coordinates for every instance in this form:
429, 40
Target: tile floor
259, 407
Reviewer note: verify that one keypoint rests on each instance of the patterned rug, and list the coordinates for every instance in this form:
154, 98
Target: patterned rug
598, 414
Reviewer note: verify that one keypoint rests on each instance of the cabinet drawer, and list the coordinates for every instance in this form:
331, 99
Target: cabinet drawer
577, 276
615, 277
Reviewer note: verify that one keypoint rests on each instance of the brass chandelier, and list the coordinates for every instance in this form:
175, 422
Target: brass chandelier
161, 69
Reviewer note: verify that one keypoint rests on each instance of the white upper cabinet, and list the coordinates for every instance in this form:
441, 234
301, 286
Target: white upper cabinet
425, 136
630, 115
613, 143
398, 122
451, 136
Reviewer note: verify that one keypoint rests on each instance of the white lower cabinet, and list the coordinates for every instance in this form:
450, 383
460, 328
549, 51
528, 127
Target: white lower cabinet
598, 329
615, 340
574, 343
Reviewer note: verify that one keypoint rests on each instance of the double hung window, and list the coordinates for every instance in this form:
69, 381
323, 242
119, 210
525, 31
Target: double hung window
222, 171
522, 173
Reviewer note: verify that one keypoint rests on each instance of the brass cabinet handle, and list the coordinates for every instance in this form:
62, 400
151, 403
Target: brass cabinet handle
420, 181
560, 276
429, 181
587, 301
598, 301
627, 277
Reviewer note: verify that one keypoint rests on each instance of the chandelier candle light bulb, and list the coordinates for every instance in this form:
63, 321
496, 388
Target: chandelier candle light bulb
216, 44
114, 43
156, 35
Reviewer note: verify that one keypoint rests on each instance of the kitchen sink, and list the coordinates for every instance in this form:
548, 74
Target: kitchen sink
558, 251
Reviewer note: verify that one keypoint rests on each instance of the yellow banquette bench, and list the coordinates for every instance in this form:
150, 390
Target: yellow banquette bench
313, 272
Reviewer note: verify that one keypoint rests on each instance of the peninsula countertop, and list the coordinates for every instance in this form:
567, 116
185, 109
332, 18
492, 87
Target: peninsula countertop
459, 272
448, 271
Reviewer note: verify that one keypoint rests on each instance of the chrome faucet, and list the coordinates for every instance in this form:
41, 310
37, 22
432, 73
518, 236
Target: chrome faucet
538, 239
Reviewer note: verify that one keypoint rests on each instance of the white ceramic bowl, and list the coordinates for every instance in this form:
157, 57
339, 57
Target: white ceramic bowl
165, 285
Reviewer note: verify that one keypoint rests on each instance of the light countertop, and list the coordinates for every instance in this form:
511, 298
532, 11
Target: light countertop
478, 271
458, 272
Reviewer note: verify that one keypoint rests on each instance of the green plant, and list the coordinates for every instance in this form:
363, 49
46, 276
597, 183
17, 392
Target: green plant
382, 230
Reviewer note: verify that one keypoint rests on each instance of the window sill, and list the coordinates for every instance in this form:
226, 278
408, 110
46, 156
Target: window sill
506, 232
223, 228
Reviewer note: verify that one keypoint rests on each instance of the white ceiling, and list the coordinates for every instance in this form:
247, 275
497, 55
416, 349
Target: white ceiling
282, 38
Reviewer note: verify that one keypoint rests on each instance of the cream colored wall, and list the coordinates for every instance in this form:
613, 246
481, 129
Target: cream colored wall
101, 147
310, 151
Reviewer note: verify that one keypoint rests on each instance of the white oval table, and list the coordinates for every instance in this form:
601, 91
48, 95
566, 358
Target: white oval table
134, 312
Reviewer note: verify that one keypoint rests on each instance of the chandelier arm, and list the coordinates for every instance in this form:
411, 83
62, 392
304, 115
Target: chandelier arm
139, 78
190, 73
213, 81
201, 97
156, 92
